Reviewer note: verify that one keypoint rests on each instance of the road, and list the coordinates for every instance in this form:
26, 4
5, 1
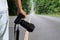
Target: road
47, 28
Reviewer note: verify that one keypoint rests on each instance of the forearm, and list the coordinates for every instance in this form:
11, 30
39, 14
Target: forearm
18, 4
20, 10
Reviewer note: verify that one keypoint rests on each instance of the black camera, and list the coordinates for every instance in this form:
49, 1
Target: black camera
28, 26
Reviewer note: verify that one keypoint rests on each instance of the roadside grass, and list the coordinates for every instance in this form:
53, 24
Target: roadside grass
54, 15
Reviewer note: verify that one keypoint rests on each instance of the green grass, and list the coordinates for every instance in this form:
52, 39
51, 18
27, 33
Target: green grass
54, 15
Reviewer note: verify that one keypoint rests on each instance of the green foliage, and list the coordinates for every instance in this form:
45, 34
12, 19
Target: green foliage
47, 6
41, 6
26, 4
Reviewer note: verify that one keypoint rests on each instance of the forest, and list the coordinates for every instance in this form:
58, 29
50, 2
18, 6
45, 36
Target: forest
40, 7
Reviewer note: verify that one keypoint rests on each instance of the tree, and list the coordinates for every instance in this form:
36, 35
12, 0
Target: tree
47, 6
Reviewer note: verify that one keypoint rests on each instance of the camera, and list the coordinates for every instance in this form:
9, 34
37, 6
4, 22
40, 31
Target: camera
28, 26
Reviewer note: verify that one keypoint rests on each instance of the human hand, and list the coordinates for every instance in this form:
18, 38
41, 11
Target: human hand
22, 12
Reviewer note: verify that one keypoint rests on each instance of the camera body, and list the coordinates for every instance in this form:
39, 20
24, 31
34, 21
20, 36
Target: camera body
28, 26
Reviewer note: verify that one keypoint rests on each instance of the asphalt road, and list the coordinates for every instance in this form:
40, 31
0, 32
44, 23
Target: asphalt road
47, 28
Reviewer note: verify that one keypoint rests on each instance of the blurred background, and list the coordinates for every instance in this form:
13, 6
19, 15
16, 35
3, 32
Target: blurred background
44, 7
